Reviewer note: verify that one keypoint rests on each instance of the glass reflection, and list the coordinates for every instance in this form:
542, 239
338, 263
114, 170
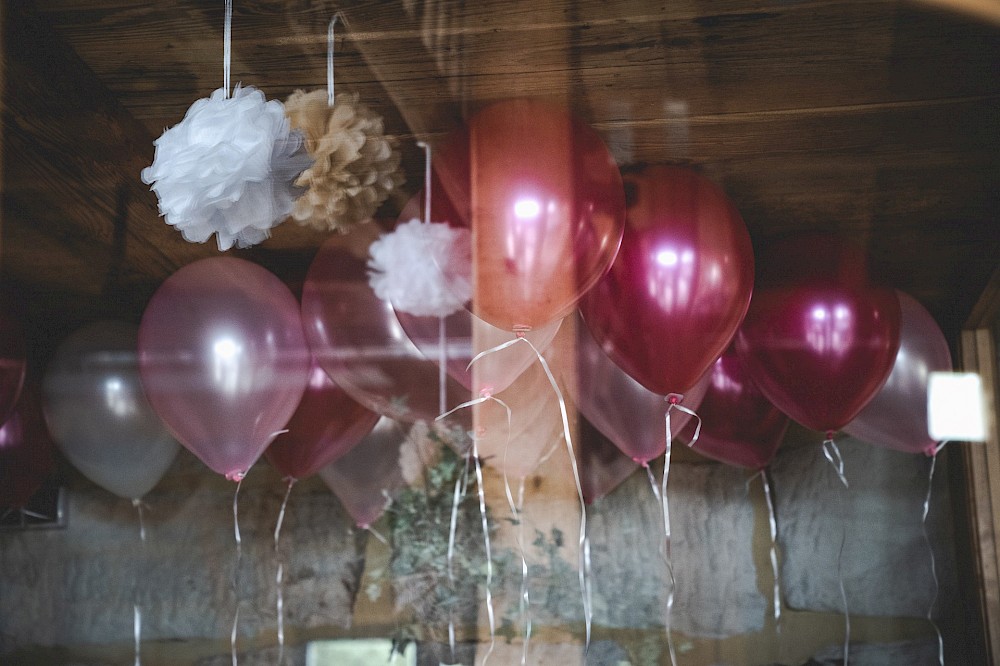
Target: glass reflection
829, 329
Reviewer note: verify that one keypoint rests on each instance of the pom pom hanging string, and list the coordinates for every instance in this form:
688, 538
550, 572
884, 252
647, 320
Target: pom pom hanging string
832, 453
227, 40
136, 608
279, 578
442, 336
329, 59
584, 541
930, 551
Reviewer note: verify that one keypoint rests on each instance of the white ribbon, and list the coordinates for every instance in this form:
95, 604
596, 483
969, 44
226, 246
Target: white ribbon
930, 551
136, 609
832, 453
227, 38
279, 578
236, 568
329, 59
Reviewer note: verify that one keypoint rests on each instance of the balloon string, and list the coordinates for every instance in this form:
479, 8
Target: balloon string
136, 608
329, 59
933, 562
279, 579
427, 181
525, 599
773, 525
450, 557
488, 549
227, 38
236, 568
665, 549
460, 489
832, 452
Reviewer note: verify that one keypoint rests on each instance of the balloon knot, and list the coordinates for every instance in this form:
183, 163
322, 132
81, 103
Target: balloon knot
830, 434
236, 476
642, 463
520, 330
486, 392
480, 431
674, 398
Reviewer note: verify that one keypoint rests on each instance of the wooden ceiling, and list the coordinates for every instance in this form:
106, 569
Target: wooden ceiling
878, 120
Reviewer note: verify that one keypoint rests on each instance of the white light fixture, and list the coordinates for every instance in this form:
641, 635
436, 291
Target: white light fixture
956, 407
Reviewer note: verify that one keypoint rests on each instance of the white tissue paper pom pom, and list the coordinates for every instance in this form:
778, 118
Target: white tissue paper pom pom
228, 168
355, 166
422, 269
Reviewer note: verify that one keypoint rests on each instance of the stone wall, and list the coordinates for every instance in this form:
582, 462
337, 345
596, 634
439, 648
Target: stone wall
66, 596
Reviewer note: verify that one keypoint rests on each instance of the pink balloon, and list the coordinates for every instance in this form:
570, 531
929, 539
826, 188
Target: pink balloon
548, 203
223, 359
680, 285
739, 425
27, 453
466, 335
369, 474
603, 467
356, 337
327, 424
622, 409
818, 349
896, 417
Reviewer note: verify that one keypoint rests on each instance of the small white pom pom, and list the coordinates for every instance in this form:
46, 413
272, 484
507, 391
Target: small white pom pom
422, 269
228, 168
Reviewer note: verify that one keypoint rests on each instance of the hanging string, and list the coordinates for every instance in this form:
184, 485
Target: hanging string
236, 566
461, 485
442, 333
136, 608
329, 59
773, 525
279, 579
525, 599
832, 453
489, 552
584, 541
930, 552
227, 38
673, 402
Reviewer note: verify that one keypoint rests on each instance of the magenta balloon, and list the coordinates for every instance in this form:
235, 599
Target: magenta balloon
13, 357
896, 417
27, 453
680, 284
622, 409
327, 424
356, 338
369, 474
223, 359
739, 425
820, 350
466, 335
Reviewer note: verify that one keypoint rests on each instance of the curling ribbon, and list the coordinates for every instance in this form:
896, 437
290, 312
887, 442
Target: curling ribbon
236, 567
279, 579
930, 551
136, 609
832, 453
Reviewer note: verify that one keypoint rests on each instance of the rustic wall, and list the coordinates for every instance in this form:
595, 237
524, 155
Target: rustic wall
66, 595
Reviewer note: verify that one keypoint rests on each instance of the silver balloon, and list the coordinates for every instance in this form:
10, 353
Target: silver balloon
98, 415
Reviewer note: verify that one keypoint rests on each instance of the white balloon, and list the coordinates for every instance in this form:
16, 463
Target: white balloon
98, 415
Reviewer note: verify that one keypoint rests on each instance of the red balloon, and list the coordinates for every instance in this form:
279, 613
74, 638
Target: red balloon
327, 424
681, 282
369, 474
223, 360
739, 425
27, 453
896, 417
546, 201
820, 350
13, 356
622, 409
355, 336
